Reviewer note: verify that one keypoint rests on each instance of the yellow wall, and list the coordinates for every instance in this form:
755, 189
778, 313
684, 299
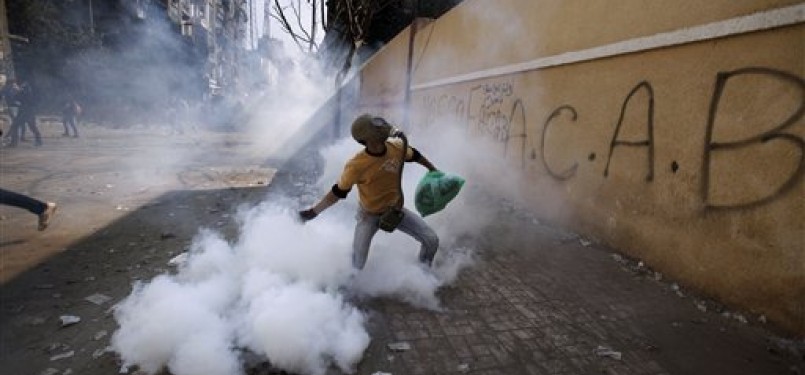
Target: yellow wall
713, 197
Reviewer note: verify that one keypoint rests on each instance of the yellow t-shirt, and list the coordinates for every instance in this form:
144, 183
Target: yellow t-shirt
377, 177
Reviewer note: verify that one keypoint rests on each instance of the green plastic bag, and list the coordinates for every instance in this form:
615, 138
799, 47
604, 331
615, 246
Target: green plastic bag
435, 190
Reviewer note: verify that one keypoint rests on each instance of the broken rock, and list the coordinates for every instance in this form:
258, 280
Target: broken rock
68, 320
62, 355
603, 351
98, 298
399, 346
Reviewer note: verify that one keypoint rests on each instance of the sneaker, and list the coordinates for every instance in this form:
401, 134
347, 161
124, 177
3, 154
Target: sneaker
46, 216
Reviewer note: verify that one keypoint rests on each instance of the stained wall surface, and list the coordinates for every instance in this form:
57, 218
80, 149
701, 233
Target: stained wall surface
672, 131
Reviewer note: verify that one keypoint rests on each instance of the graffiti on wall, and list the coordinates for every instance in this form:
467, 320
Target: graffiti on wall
494, 110
776, 134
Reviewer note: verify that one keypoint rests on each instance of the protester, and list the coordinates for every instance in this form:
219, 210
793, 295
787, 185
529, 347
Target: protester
70, 112
376, 171
10, 96
25, 116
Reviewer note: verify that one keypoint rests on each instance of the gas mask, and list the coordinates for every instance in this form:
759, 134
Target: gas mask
372, 128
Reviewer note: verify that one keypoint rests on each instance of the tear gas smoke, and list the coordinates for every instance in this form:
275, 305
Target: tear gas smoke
276, 291
287, 291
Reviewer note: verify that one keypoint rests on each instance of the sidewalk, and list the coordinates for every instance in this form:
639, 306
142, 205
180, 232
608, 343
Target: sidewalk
543, 301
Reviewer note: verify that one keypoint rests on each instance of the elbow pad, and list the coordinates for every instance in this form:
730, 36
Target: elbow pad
338, 192
416, 155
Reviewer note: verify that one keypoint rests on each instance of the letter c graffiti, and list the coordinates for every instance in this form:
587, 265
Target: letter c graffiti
561, 176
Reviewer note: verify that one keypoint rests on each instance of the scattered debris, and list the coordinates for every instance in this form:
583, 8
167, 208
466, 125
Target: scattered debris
98, 299
179, 260
36, 321
737, 316
603, 351
100, 335
464, 367
166, 235
585, 243
49, 371
381, 373
68, 320
57, 347
62, 356
98, 353
399, 346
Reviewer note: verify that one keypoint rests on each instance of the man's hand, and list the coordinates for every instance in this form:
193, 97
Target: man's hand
307, 215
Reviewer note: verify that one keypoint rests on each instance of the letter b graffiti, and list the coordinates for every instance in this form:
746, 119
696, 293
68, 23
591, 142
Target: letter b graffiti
776, 134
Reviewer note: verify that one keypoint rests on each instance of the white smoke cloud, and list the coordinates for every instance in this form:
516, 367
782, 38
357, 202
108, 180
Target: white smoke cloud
282, 290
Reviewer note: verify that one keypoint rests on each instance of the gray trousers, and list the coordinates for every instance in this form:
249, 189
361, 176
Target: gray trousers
412, 224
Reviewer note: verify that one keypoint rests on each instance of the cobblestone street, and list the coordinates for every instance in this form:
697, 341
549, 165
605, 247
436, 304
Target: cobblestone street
539, 300
542, 301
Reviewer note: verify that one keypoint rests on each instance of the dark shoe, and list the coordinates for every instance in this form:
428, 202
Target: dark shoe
38, 144
65, 135
46, 216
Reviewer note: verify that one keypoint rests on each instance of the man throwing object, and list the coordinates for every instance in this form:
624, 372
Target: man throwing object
376, 171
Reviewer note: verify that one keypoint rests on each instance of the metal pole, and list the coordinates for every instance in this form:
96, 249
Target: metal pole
91, 19
408, 71
251, 24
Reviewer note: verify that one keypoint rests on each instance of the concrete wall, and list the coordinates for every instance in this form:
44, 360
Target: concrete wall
672, 131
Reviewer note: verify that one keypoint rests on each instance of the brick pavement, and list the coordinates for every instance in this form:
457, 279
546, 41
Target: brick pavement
541, 301
538, 302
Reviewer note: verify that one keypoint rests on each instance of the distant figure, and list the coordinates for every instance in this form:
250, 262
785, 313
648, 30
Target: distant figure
26, 115
180, 112
10, 96
70, 112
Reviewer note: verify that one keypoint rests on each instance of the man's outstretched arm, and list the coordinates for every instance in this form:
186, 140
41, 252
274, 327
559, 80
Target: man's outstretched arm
328, 200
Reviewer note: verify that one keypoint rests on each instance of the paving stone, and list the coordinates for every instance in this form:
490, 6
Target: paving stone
545, 310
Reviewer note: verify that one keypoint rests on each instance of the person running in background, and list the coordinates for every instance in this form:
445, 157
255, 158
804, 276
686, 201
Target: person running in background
44, 210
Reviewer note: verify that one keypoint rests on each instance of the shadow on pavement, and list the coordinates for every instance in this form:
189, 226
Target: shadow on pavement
138, 246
